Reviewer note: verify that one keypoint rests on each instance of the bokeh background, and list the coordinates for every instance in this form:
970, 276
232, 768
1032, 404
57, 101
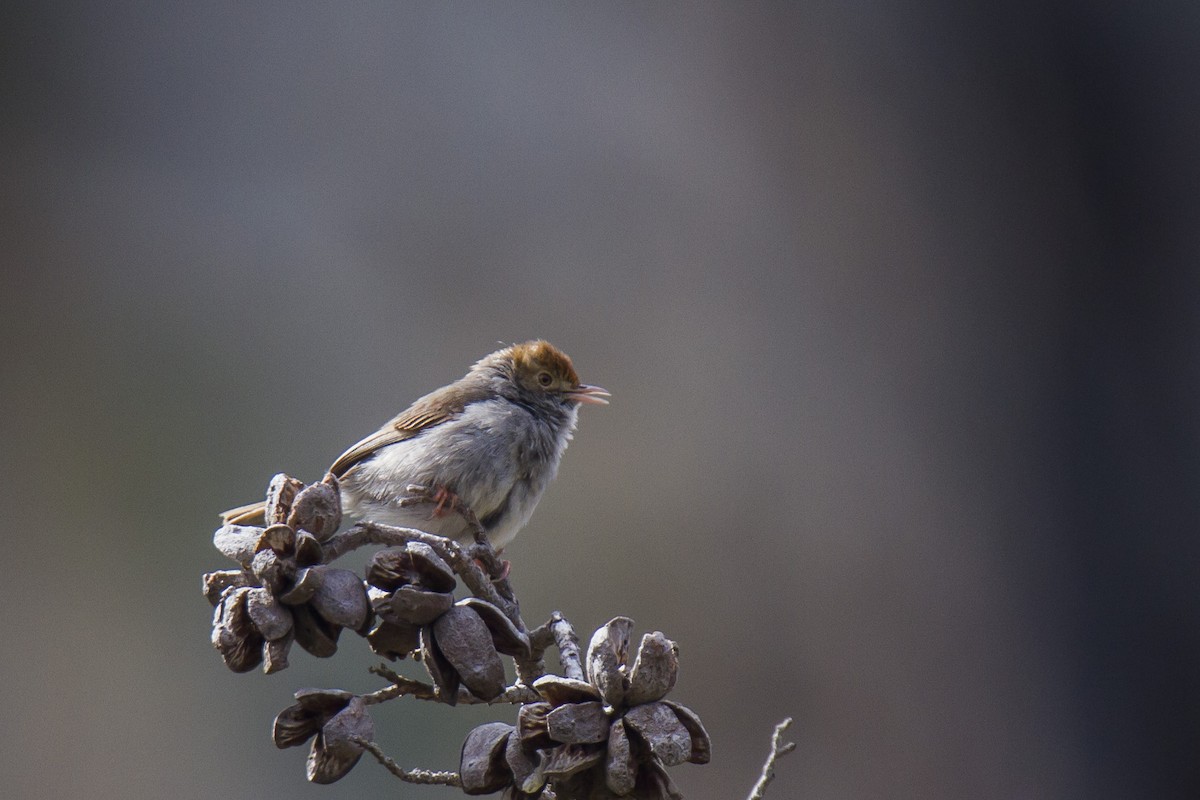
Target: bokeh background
898, 304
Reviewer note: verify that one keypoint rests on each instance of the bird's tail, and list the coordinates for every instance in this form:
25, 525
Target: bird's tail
253, 514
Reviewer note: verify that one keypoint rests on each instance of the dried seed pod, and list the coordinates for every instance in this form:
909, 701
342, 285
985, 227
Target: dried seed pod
278, 537
568, 759
416, 564
662, 732
481, 764
234, 635
313, 633
505, 636
305, 586
620, 768
432, 571
318, 510
578, 723
701, 744
281, 493
655, 670
440, 670
466, 643
525, 764
334, 753
531, 725
341, 598
275, 654
559, 690
607, 656
238, 542
300, 721
215, 583
295, 725
416, 606
392, 640
268, 614
272, 571
389, 569
308, 550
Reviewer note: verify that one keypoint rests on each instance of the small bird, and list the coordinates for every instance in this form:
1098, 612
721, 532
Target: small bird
485, 446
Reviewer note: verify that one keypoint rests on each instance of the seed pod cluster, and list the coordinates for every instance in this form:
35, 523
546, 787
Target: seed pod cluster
284, 593
335, 718
408, 587
610, 736
412, 592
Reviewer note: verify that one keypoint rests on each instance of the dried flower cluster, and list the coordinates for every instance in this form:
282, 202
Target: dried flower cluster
610, 735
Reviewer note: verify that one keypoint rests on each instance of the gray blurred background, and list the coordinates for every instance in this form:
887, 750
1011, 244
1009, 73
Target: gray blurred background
897, 302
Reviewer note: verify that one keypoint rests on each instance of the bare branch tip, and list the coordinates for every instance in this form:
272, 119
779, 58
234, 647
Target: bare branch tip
778, 748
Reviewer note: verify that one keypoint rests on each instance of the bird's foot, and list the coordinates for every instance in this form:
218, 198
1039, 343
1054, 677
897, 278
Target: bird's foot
444, 502
504, 567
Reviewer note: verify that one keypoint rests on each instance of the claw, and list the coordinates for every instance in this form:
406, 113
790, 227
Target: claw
505, 568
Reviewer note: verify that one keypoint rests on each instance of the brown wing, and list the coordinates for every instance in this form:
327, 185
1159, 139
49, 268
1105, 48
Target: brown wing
432, 409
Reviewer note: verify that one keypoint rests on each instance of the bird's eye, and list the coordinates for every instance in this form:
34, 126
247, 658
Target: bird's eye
545, 379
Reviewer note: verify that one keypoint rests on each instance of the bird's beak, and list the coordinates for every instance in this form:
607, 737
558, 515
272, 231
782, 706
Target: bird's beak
592, 395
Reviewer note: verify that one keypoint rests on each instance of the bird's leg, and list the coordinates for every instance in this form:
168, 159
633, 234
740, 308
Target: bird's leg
496, 568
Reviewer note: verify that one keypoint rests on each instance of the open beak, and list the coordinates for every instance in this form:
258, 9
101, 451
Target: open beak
592, 395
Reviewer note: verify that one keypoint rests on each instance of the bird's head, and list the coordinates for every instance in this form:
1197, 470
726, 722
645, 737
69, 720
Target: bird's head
540, 372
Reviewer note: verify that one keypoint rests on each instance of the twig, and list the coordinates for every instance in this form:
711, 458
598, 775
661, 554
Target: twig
515, 695
778, 748
568, 646
407, 687
401, 687
555, 631
368, 533
384, 671
427, 777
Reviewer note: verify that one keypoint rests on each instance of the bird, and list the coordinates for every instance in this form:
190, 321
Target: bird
481, 450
